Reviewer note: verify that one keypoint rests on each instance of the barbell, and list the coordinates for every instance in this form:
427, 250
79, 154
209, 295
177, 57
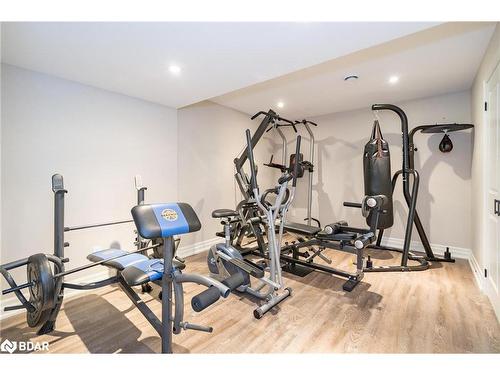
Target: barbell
41, 282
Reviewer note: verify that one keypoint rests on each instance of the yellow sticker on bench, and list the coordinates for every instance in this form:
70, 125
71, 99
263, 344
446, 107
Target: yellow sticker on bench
169, 214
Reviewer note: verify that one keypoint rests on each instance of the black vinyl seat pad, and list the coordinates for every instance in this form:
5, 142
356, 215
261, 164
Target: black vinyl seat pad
143, 272
224, 212
146, 271
299, 228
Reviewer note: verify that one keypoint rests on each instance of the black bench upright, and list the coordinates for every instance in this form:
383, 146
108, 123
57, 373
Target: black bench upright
160, 222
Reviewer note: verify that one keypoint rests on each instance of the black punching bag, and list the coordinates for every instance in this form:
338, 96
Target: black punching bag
377, 174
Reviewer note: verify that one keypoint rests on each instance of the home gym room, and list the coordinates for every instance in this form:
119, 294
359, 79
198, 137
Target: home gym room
250, 187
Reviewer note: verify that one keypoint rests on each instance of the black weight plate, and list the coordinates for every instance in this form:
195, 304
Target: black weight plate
42, 291
446, 128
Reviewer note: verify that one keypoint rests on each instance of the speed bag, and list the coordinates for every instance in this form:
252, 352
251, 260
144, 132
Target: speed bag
377, 174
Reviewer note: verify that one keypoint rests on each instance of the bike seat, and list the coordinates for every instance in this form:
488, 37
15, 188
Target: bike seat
224, 212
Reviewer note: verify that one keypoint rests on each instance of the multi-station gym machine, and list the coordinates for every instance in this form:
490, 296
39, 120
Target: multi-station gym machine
306, 165
339, 235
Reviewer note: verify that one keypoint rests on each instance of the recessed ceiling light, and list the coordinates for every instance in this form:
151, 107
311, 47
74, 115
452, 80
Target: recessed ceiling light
174, 69
351, 77
280, 104
393, 79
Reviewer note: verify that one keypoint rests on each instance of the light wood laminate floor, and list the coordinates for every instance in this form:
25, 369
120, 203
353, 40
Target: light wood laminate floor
440, 310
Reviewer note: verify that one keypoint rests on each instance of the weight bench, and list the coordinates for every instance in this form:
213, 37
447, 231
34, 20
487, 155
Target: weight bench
160, 223
336, 236
136, 269
312, 241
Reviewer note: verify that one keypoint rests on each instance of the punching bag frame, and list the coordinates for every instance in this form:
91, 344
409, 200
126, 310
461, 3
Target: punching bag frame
411, 201
434, 129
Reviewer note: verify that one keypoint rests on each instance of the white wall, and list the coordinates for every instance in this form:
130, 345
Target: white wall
210, 137
445, 186
98, 141
1, 141
490, 61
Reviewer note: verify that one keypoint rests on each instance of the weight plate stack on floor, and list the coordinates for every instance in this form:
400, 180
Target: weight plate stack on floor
42, 290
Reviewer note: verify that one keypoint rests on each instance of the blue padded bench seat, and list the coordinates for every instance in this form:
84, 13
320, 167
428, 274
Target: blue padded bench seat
136, 269
119, 263
146, 271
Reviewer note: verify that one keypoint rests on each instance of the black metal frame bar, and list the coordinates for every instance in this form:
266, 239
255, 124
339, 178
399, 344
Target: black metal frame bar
270, 117
4, 271
353, 278
335, 245
141, 306
98, 225
92, 285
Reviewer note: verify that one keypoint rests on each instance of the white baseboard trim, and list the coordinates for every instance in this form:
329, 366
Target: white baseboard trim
493, 295
456, 252
478, 273
199, 247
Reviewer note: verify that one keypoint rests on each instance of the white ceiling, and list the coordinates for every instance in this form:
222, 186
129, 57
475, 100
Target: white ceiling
439, 60
216, 58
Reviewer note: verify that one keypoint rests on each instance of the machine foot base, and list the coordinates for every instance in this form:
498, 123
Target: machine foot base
146, 288
297, 269
350, 284
260, 311
436, 259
